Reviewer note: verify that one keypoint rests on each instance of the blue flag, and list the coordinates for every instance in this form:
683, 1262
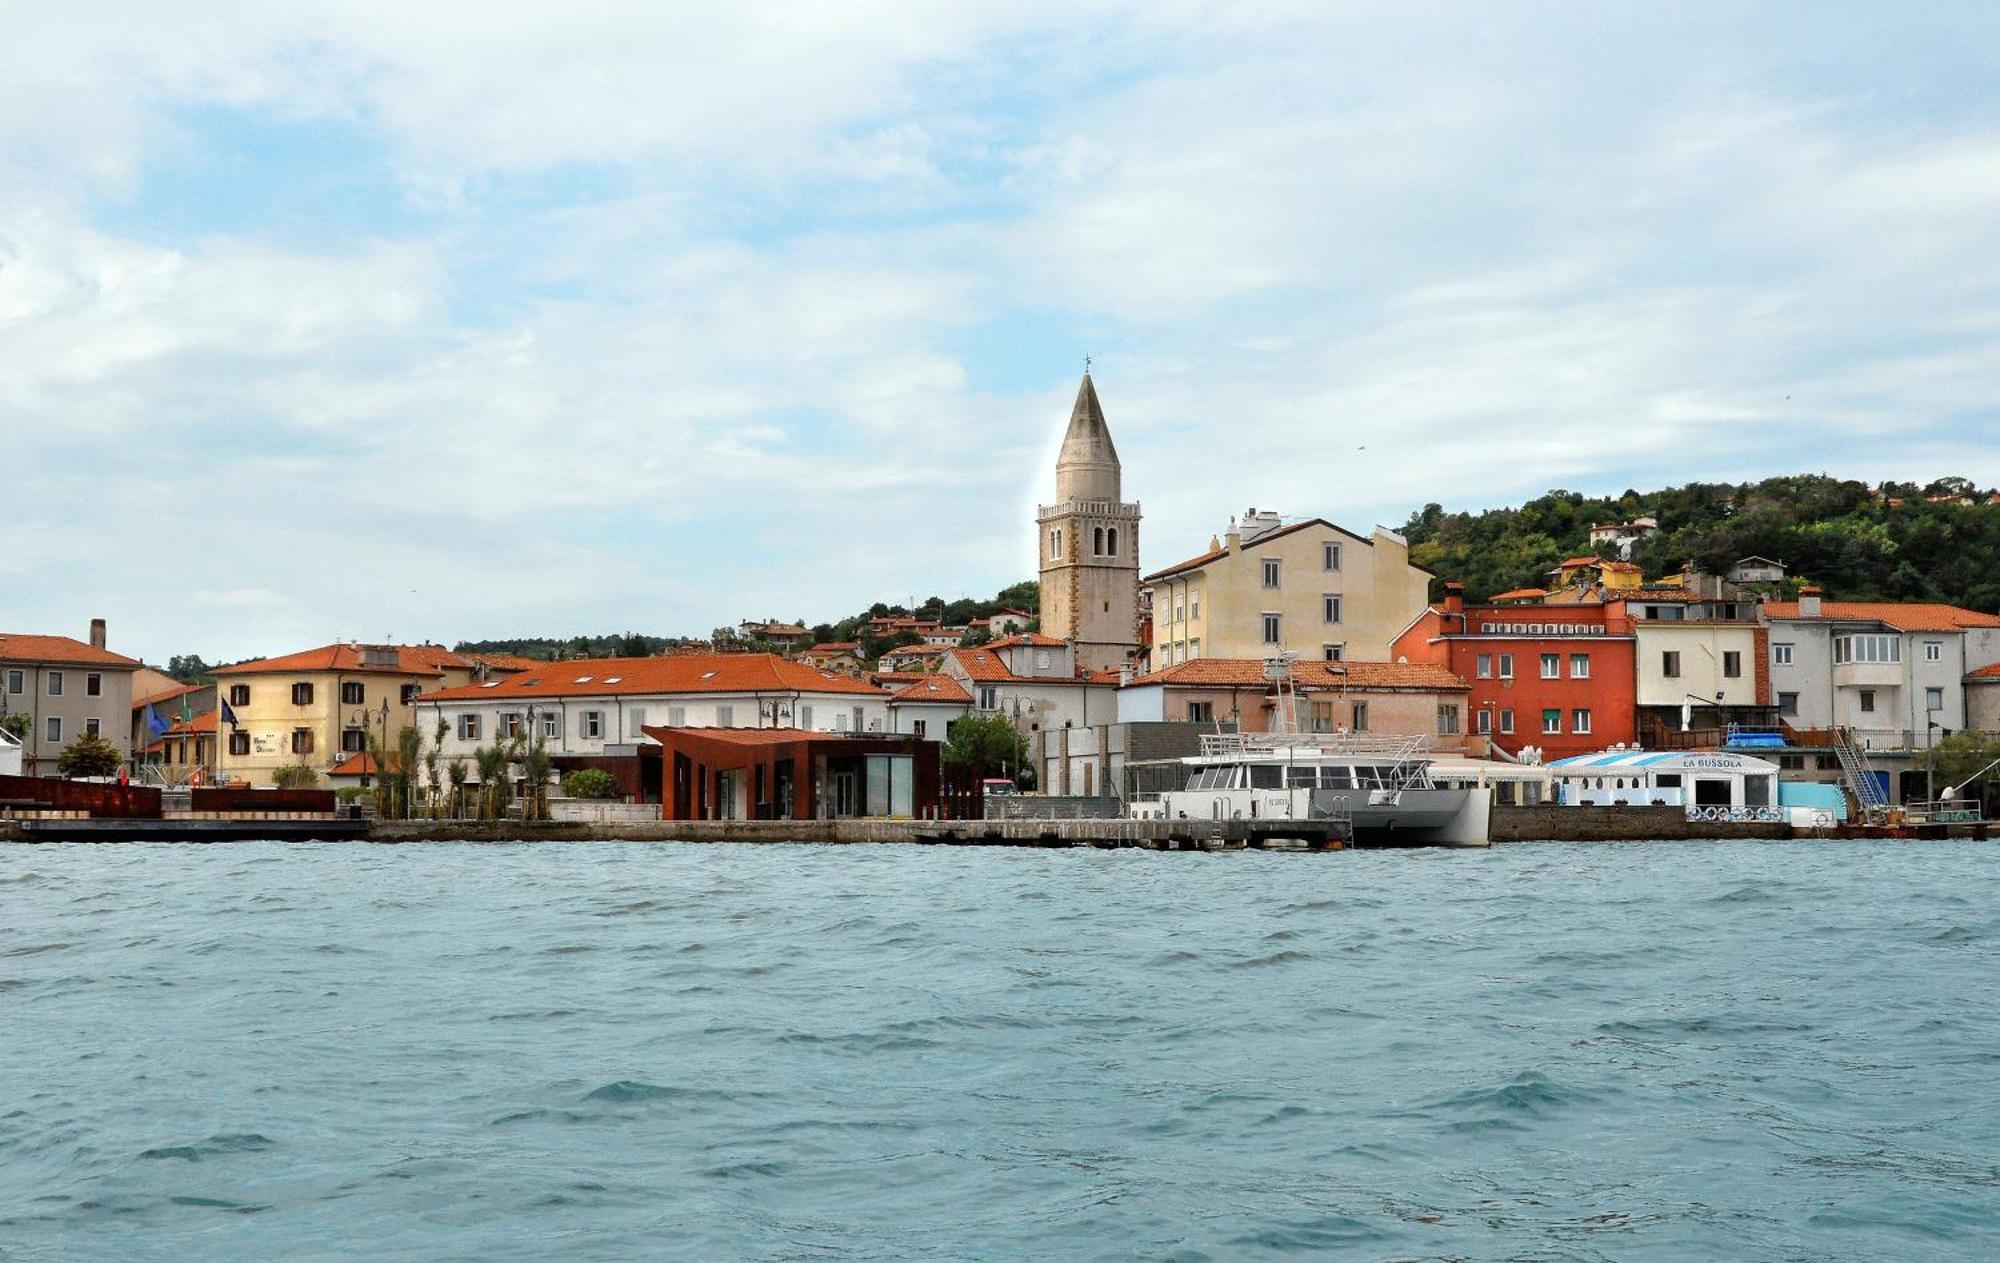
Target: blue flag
229, 716
155, 724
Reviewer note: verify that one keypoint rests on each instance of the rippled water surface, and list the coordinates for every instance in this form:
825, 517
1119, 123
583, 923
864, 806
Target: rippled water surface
1669, 1051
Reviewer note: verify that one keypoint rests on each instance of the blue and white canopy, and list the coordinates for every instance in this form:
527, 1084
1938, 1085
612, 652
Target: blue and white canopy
1662, 761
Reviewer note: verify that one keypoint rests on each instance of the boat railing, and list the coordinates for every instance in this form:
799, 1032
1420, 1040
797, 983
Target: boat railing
1396, 747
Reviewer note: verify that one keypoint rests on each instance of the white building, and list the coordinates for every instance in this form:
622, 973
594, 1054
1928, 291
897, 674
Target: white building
587, 706
10, 754
928, 707
1033, 680
1709, 786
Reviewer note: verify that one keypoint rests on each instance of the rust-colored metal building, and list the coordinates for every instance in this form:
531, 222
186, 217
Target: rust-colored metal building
794, 774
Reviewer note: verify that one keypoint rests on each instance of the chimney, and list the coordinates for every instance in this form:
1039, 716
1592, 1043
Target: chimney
97, 633
1124, 674
1809, 602
1454, 598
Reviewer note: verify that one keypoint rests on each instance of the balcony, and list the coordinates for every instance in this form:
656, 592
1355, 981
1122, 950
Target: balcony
1868, 675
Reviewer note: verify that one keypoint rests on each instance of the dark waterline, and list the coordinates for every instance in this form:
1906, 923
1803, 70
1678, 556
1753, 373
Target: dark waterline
1668, 1051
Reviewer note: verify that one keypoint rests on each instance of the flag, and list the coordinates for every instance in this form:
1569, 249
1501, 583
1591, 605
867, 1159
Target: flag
155, 722
229, 716
187, 708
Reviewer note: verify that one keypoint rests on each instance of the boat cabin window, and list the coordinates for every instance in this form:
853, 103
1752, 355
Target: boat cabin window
1667, 780
1331, 777
1300, 777
1266, 776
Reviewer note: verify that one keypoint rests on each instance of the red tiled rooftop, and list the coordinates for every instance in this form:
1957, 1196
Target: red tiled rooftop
1038, 640
410, 660
1909, 616
20, 647
942, 689
681, 673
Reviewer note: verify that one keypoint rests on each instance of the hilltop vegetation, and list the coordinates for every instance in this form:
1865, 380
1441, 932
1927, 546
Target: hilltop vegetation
1895, 542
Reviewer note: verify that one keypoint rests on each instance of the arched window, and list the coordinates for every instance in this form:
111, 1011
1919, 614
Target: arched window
1111, 542
1055, 542
1097, 542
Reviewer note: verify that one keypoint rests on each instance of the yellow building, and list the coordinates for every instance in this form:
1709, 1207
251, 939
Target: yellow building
319, 706
1309, 587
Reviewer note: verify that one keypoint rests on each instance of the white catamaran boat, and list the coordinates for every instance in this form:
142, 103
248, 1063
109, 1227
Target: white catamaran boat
1379, 785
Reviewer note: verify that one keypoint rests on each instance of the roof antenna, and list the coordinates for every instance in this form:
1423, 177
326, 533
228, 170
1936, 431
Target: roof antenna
1086, 366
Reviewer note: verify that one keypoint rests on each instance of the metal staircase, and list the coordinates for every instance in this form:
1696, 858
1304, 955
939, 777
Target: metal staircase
1861, 782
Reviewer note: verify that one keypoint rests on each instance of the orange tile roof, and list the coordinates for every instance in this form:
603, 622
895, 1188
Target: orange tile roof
1310, 675
410, 660
204, 722
681, 673
942, 689
1036, 639
166, 695
1991, 672
362, 764
982, 666
1909, 616
505, 661
1519, 594
835, 646
18, 647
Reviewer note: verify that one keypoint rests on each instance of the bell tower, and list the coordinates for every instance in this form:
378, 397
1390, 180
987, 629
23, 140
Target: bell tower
1089, 545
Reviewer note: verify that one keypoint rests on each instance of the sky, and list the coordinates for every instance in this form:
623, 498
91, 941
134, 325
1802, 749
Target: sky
451, 321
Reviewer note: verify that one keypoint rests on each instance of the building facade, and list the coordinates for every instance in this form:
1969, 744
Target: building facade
1265, 588
1385, 698
318, 706
63, 689
1089, 544
1559, 680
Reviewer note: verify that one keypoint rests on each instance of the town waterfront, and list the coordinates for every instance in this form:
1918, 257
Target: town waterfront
1743, 1050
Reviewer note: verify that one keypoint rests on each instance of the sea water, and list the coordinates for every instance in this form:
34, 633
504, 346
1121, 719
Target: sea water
1611, 1051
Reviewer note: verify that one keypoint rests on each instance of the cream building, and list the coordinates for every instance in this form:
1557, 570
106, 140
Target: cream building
1265, 588
63, 689
319, 706
1089, 545
1714, 664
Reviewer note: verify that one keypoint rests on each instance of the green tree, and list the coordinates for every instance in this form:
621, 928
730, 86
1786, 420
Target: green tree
295, 776
986, 745
88, 755
1961, 756
16, 722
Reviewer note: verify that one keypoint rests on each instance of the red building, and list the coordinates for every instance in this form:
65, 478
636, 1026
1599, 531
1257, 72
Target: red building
1560, 678
790, 774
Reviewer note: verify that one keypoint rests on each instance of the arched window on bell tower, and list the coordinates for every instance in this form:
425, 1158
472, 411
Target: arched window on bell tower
1111, 542
1055, 543
1097, 542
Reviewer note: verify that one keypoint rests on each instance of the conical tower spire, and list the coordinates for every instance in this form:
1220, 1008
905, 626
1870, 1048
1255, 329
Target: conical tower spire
1087, 468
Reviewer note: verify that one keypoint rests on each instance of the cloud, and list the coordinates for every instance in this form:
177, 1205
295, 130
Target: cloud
655, 318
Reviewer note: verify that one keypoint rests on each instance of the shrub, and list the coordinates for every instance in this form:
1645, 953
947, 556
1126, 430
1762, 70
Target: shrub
89, 755
590, 782
296, 776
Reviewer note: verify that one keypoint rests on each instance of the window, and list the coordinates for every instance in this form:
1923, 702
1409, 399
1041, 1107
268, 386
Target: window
593, 722
1194, 647
1321, 717
1180, 612
1552, 720
1670, 664
1483, 666
1506, 722
860, 720
1097, 542
1447, 719
1732, 665
239, 695
17, 682
1579, 721
302, 741
54, 730
1781, 655
353, 740
1111, 542
1484, 722
1506, 666
95, 727
302, 694
239, 743
1361, 717
917, 729
1055, 542
468, 727
1333, 653
677, 717
93, 684
1579, 666
353, 694
55, 684
510, 724
552, 723
1200, 712
1329, 608
1270, 572
1788, 703
1041, 659
989, 697
1273, 631
1329, 556
407, 694
1867, 701
1933, 699
1933, 651
1194, 607
1848, 649
1552, 664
